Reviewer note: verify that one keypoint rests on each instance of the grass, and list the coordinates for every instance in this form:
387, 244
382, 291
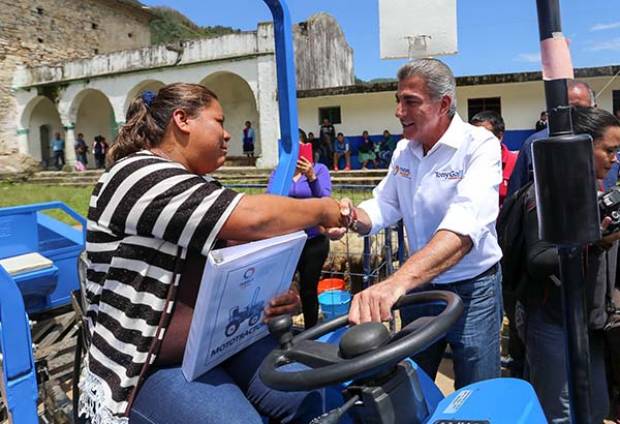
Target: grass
77, 198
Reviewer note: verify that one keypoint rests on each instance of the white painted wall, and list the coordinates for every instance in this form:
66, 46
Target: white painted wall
521, 106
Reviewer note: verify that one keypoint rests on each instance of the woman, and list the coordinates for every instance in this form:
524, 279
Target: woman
100, 148
310, 181
544, 335
152, 220
367, 151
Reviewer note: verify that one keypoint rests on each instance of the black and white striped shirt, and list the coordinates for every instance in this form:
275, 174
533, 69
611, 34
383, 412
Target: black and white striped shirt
144, 214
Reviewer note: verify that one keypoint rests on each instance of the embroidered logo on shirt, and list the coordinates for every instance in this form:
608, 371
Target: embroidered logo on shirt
403, 172
450, 175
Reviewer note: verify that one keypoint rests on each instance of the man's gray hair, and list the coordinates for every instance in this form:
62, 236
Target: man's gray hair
438, 77
578, 83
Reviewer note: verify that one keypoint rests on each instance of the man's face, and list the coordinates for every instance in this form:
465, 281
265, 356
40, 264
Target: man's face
340, 138
418, 113
606, 151
326, 122
579, 95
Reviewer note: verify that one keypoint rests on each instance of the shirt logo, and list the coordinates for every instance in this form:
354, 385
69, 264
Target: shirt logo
450, 175
403, 172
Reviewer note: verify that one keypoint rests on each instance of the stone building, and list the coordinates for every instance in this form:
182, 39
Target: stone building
43, 32
91, 95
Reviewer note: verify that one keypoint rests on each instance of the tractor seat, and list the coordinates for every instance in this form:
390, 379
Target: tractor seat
35, 275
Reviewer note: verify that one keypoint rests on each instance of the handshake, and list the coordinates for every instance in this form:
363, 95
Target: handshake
344, 216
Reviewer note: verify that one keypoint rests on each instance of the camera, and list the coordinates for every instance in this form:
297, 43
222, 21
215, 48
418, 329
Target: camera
609, 205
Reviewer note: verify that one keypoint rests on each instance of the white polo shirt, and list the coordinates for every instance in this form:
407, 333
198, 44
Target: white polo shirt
454, 187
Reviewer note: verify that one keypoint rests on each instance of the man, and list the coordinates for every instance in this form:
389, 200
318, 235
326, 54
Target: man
327, 135
341, 148
58, 149
494, 122
443, 182
542, 123
579, 94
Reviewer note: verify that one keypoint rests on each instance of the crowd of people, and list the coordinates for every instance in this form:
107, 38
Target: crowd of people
335, 151
448, 179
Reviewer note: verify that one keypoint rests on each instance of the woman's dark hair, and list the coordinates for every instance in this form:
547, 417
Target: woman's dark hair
149, 114
493, 118
593, 121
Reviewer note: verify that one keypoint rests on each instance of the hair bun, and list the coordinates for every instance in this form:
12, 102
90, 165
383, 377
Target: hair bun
148, 97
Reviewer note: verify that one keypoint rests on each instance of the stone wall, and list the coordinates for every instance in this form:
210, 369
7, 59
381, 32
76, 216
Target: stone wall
42, 32
323, 58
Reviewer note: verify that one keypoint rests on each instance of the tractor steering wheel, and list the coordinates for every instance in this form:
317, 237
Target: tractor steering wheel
364, 350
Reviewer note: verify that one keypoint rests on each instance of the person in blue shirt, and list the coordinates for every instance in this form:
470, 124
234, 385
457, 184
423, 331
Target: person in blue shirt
58, 149
579, 94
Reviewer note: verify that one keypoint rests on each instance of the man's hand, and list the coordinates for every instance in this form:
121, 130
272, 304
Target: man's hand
609, 239
375, 303
285, 303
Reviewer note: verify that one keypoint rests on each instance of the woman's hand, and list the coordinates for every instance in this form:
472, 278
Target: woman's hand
306, 168
285, 303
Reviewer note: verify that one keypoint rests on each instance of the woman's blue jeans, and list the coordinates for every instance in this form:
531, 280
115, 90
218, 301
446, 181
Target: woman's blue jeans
228, 394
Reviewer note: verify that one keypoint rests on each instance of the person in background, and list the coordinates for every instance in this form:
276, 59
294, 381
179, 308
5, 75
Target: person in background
579, 94
617, 113
316, 147
248, 137
152, 222
81, 148
543, 327
367, 151
100, 148
542, 122
327, 136
310, 181
386, 149
58, 149
341, 148
494, 122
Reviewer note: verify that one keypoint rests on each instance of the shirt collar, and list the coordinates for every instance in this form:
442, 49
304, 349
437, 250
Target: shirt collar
452, 137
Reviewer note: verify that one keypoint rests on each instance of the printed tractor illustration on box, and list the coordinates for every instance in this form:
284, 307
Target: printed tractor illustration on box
252, 311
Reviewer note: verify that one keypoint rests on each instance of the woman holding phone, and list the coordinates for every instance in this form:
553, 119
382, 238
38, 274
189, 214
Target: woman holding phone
310, 180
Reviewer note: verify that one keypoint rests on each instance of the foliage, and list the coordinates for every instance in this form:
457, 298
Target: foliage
172, 26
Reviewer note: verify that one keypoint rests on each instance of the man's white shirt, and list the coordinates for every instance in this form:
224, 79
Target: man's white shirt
454, 187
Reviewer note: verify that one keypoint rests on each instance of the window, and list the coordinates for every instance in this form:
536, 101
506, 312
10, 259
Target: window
615, 101
40, 40
130, 34
96, 51
39, 10
93, 25
484, 103
332, 113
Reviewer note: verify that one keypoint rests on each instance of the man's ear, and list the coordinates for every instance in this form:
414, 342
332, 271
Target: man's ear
446, 102
179, 118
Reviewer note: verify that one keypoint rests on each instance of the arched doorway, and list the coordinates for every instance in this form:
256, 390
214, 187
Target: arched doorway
93, 115
239, 104
147, 85
42, 120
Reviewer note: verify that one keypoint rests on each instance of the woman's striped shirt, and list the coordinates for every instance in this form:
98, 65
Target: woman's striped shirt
144, 214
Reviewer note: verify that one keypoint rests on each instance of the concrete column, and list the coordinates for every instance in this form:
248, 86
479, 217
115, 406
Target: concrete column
69, 142
269, 116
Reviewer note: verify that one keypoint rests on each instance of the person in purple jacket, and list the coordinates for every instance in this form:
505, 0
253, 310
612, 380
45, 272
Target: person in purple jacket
310, 180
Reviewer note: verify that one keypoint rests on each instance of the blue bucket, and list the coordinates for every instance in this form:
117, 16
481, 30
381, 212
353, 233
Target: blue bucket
334, 303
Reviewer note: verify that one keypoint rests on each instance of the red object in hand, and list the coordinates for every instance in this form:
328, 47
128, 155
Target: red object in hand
305, 151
